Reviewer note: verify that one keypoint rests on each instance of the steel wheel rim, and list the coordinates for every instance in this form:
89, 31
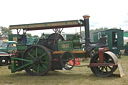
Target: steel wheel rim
65, 61
41, 60
103, 70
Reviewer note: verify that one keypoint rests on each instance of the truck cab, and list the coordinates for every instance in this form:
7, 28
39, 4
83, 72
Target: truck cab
6, 50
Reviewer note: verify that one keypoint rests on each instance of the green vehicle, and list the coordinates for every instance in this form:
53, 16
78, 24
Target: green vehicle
6, 50
114, 39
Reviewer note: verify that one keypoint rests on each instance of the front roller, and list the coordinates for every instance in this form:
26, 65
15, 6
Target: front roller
41, 58
107, 67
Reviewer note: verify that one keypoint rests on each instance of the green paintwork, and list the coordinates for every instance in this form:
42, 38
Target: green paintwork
95, 36
114, 39
19, 40
71, 46
14, 68
76, 41
47, 25
79, 55
65, 45
3, 49
42, 55
28, 58
125, 34
12, 37
30, 40
21, 47
115, 34
27, 55
8, 46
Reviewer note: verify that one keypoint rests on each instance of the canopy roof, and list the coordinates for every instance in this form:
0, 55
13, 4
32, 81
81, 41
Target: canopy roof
48, 25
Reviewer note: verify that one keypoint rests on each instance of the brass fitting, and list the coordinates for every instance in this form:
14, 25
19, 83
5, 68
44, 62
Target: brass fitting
86, 16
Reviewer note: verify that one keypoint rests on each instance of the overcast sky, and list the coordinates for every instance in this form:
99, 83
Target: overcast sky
103, 13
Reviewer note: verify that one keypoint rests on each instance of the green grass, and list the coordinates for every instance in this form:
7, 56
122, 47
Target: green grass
76, 76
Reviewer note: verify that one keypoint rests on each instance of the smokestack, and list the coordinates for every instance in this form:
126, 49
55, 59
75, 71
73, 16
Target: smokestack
86, 25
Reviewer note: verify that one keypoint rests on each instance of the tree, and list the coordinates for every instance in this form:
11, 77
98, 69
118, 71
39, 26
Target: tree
115, 28
5, 31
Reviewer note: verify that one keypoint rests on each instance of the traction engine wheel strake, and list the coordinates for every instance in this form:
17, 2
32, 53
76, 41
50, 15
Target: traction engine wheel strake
65, 60
104, 71
41, 60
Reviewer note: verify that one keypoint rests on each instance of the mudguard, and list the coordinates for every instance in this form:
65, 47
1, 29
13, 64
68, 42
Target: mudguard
4, 54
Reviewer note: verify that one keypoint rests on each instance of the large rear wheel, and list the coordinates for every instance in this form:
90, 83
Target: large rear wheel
104, 71
41, 57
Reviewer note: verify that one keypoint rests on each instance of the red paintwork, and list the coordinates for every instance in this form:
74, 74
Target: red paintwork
101, 64
101, 55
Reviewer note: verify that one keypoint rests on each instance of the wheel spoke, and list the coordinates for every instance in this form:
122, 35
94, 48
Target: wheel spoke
102, 68
38, 68
43, 62
32, 70
31, 66
110, 67
42, 55
43, 59
106, 69
44, 66
30, 55
36, 51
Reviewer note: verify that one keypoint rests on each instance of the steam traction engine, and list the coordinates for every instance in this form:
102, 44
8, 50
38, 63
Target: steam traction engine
54, 53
